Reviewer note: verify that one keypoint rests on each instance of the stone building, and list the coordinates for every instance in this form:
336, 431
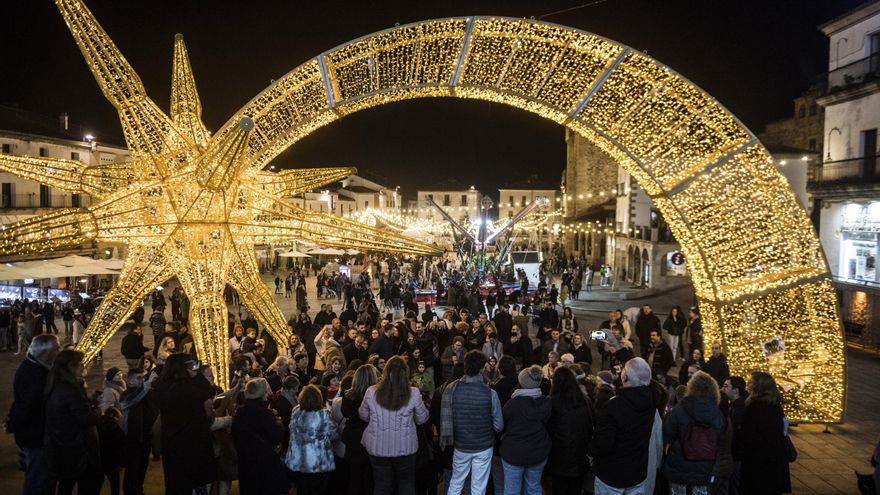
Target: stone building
845, 186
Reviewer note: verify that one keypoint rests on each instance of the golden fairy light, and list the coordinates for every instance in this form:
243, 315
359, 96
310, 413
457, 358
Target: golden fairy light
191, 208
186, 205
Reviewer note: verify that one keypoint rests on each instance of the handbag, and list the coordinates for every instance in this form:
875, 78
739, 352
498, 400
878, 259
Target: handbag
790, 450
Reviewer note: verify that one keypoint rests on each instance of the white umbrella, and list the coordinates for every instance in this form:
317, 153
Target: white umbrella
294, 254
330, 251
74, 260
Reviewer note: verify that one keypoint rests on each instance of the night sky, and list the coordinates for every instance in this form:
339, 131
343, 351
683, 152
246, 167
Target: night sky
754, 57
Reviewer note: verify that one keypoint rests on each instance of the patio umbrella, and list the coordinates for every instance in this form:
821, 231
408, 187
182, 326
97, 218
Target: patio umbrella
294, 254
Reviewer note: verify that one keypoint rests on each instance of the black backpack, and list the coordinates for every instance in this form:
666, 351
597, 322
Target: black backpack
700, 441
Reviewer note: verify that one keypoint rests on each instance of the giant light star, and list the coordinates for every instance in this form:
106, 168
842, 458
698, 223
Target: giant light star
187, 204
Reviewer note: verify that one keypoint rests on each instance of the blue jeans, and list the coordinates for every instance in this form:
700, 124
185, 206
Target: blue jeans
476, 464
36, 472
602, 489
522, 479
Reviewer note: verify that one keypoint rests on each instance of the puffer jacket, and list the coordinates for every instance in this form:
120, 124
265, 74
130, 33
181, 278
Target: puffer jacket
526, 441
676, 468
310, 450
392, 433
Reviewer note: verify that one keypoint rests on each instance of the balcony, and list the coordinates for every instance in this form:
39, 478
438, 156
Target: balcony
853, 170
33, 200
850, 75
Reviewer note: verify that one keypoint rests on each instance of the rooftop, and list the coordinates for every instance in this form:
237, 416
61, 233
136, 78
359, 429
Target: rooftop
531, 183
22, 121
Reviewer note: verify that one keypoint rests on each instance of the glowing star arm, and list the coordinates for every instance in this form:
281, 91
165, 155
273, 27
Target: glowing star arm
148, 131
144, 269
255, 295
53, 231
54, 172
296, 181
223, 161
186, 108
280, 221
72, 176
208, 319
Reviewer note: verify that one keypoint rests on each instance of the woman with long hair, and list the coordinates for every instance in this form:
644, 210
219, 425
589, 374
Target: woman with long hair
294, 345
691, 472
673, 329
568, 322
166, 348
360, 479
187, 445
71, 439
761, 438
310, 454
392, 408
571, 429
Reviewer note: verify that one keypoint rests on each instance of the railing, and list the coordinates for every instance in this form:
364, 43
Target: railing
858, 72
851, 170
33, 200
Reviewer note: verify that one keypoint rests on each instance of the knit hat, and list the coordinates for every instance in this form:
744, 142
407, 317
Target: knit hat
606, 377
531, 377
111, 373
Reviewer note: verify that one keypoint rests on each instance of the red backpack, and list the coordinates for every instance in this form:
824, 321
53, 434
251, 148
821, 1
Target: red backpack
700, 442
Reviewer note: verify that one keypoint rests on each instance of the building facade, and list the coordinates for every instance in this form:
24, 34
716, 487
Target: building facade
845, 186
460, 202
29, 134
366, 194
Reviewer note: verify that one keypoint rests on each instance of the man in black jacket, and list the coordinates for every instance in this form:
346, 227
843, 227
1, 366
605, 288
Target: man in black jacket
27, 417
503, 322
623, 433
646, 322
139, 414
659, 355
717, 366
133, 349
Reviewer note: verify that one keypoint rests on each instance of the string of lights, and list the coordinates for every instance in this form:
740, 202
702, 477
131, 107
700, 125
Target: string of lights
754, 258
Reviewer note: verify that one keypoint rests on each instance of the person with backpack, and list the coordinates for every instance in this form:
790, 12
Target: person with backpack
692, 431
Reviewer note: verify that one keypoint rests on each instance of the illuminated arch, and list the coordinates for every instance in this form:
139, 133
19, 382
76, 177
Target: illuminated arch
757, 265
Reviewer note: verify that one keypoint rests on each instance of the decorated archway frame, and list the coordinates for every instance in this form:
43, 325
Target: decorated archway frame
757, 265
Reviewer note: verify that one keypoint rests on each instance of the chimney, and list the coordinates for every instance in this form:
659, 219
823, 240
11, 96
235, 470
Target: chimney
63, 121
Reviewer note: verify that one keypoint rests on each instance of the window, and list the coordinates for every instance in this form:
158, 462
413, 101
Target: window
814, 109
431, 197
523, 202
45, 197
510, 201
75, 200
7, 148
44, 152
446, 200
464, 200
812, 144
802, 111
366, 204
6, 200
74, 155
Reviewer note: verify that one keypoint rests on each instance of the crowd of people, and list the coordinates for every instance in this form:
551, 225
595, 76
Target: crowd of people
506, 399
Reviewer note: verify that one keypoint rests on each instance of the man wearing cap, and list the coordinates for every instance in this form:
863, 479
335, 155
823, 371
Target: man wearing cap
114, 386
